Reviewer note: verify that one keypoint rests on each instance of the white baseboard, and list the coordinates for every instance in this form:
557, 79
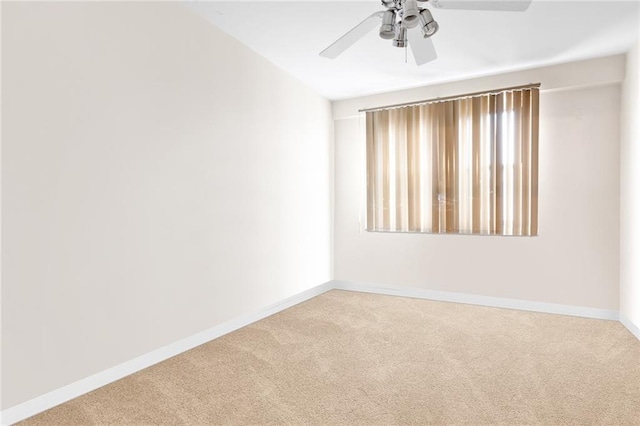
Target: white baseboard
49, 400
471, 299
630, 326
73, 390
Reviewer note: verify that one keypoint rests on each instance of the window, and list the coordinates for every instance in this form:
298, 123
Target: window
467, 165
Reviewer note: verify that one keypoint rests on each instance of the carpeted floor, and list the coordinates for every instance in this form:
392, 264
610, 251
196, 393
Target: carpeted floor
346, 358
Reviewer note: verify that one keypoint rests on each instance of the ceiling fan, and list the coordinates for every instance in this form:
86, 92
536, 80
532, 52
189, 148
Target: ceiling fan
406, 22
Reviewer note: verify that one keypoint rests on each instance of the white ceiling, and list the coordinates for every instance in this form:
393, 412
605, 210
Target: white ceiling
470, 43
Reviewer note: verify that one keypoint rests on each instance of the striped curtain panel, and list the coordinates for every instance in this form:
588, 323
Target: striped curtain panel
466, 166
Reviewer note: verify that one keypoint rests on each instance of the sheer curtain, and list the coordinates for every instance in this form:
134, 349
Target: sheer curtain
467, 165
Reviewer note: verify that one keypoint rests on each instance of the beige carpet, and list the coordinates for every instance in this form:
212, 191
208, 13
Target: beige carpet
347, 358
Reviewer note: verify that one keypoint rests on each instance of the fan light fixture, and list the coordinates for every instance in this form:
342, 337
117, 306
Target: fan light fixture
410, 13
387, 29
408, 25
401, 37
428, 26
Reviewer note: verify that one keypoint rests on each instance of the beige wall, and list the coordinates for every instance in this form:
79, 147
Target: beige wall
630, 191
158, 178
574, 261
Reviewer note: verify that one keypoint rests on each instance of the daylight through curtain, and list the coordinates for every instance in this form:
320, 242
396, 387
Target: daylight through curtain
467, 165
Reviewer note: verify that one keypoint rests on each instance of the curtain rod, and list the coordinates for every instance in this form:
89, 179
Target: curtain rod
450, 98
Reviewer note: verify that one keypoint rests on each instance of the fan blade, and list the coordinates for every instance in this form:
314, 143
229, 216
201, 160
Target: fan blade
355, 34
506, 5
423, 49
